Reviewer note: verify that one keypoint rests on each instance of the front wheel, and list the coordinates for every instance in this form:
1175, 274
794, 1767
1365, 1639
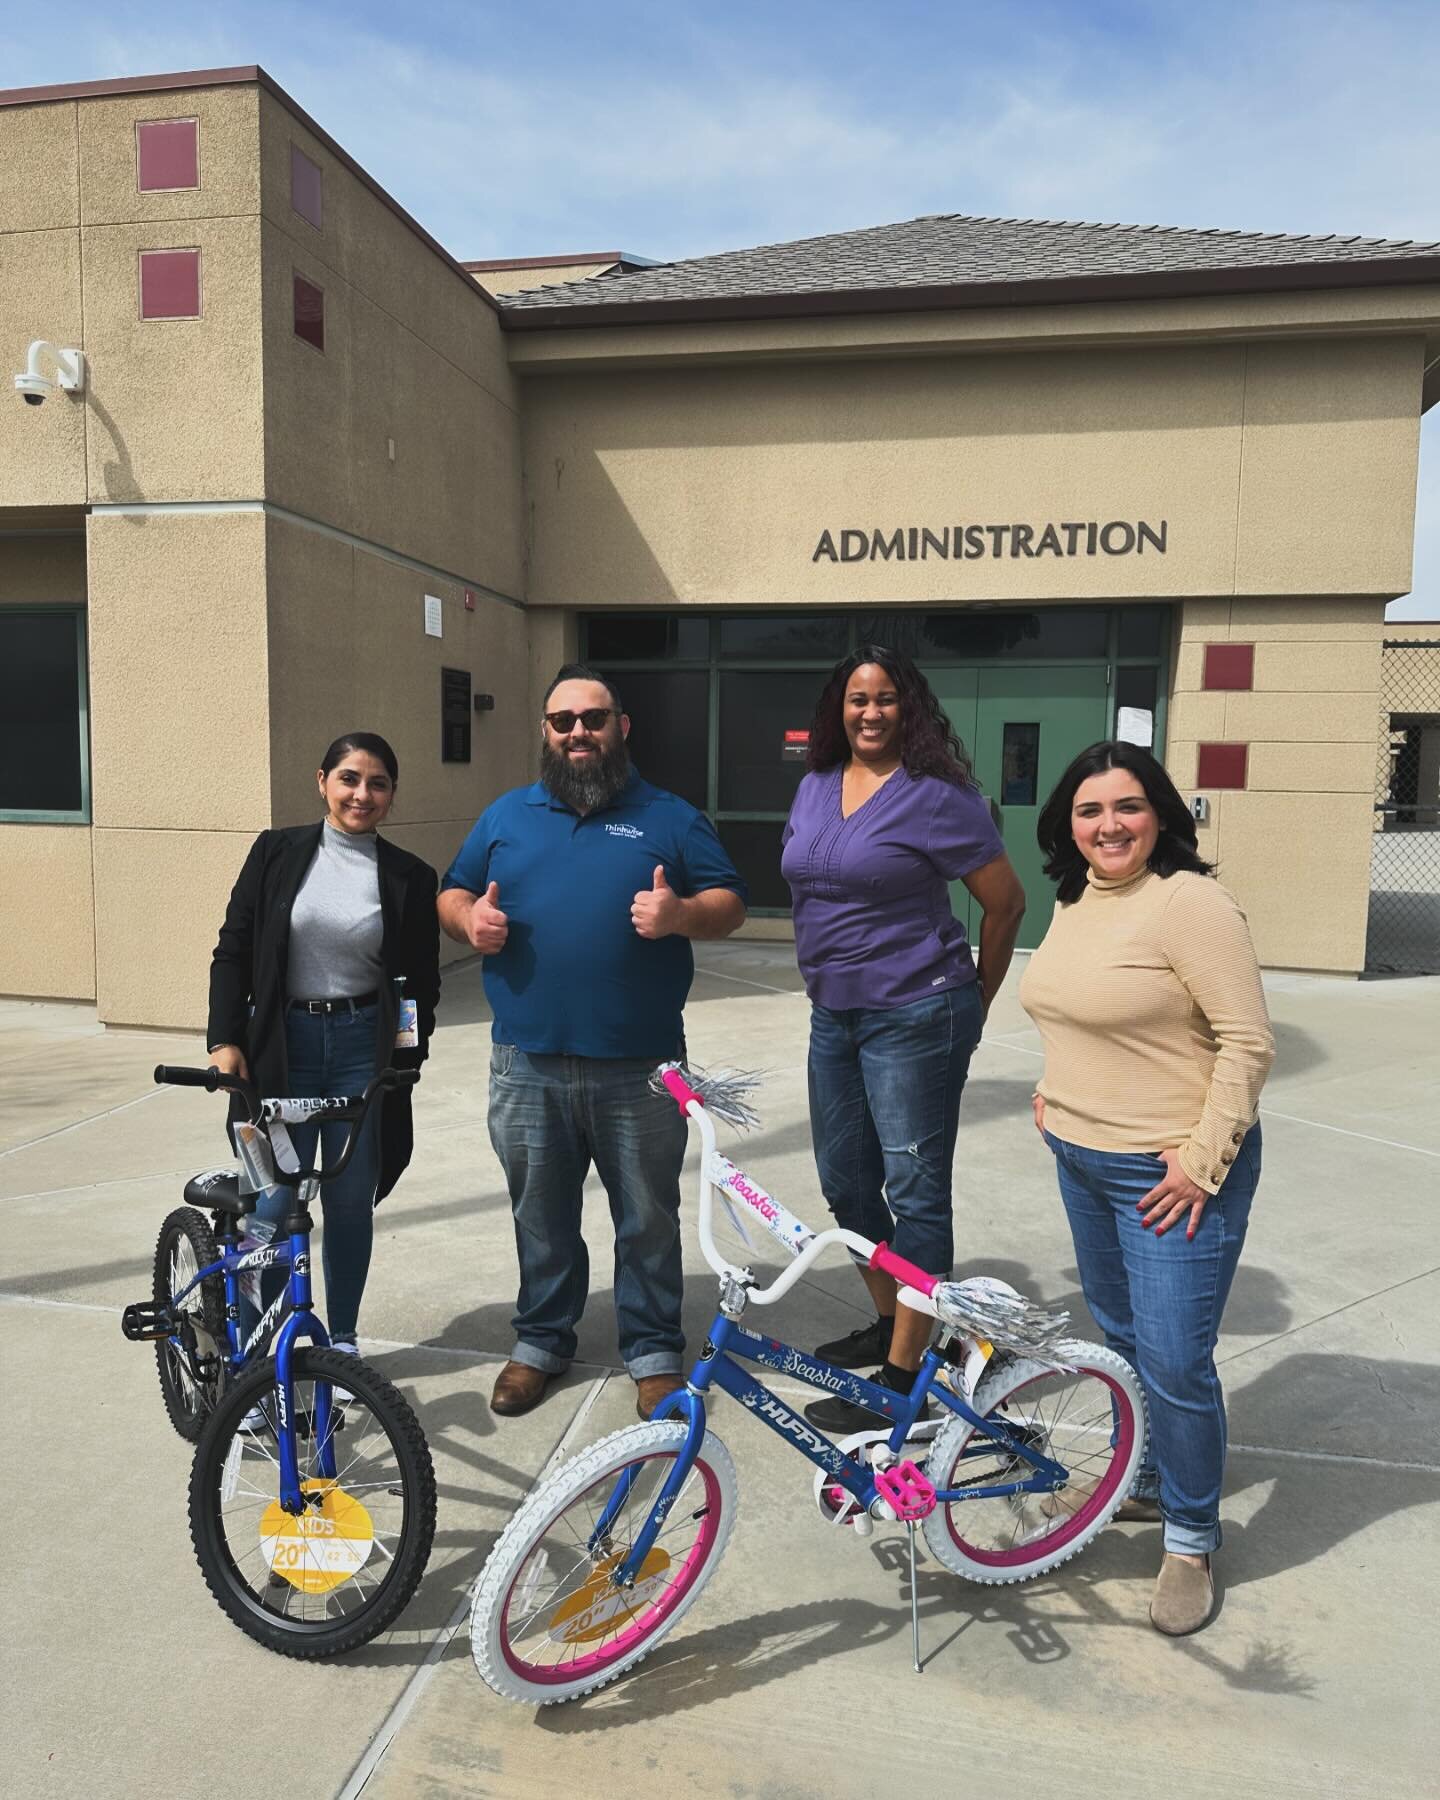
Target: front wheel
191, 1364
1089, 1416
548, 1623
334, 1576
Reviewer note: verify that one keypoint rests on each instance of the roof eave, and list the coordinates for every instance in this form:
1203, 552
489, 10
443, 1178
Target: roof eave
570, 315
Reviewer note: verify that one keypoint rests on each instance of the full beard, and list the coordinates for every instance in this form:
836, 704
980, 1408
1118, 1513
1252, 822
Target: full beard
586, 784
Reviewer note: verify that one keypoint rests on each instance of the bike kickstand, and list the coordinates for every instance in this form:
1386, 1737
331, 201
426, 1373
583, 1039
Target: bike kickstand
914, 1601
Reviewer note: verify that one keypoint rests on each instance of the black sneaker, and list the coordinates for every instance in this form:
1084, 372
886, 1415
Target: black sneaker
840, 1417
860, 1349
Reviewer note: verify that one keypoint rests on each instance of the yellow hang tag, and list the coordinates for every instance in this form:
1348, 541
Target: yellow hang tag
324, 1546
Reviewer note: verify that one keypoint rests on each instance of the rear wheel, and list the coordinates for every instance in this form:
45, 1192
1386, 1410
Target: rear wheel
337, 1574
548, 1623
191, 1364
1090, 1417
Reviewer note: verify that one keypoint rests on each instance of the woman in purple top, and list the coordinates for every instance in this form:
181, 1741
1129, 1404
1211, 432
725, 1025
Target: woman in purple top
888, 816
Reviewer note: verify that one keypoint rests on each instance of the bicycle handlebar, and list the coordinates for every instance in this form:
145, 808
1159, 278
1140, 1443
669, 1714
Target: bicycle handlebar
680, 1091
273, 1111
883, 1257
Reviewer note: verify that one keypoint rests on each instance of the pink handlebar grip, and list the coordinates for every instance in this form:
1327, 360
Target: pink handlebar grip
883, 1257
682, 1093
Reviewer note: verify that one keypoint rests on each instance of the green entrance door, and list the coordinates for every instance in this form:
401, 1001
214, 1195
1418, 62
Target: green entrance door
1029, 725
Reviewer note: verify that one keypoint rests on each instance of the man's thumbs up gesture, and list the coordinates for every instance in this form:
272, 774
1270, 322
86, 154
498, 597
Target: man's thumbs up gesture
656, 911
487, 927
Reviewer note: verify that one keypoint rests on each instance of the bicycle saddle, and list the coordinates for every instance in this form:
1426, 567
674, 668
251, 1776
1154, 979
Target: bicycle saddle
218, 1190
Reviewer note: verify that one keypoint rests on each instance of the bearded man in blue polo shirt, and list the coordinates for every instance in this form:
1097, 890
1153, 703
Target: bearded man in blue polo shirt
583, 893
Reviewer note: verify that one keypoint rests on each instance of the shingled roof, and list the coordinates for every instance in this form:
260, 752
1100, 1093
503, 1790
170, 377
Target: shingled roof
953, 259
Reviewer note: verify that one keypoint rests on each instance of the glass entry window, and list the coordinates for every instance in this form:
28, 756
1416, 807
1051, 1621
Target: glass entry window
714, 700
44, 734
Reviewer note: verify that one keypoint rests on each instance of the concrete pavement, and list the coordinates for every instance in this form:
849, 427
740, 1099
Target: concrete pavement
791, 1676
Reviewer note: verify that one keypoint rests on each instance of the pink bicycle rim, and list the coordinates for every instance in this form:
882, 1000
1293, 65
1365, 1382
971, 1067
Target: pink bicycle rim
1024, 1554
559, 1674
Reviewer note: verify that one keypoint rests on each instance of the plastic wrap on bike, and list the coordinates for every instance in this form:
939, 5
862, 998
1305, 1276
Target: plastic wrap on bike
722, 1092
755, 1203
984, 1307
296, 1112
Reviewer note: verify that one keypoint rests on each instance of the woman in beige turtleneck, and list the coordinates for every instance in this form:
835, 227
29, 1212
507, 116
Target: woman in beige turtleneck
1147, 996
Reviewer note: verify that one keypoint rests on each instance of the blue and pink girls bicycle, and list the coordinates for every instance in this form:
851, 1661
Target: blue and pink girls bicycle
1039, 1442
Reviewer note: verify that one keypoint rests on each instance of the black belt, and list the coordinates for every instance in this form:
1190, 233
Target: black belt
324, 1007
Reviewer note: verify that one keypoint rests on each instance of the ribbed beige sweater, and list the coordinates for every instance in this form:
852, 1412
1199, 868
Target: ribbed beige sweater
1147, 996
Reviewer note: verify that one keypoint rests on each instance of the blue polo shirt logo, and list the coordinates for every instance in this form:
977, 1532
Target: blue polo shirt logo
575, 977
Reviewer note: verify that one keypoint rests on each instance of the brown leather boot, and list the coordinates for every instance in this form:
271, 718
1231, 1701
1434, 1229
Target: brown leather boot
518, 1387
1184, 1596
650, 1390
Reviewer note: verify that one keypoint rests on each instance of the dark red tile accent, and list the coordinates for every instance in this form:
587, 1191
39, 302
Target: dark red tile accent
306, 187
1230, 666
169, 284
167, 154
309, 312
1222, 765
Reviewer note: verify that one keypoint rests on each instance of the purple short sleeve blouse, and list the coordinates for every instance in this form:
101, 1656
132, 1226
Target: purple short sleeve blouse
873, 925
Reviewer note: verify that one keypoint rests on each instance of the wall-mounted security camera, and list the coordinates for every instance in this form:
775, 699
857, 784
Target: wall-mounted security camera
35, 388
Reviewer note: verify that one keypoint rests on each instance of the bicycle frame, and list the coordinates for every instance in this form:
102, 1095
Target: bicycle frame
300, 1321
718, 1367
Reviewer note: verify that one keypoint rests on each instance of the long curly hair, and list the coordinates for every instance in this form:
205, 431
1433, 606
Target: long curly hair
928, 744
1176, 848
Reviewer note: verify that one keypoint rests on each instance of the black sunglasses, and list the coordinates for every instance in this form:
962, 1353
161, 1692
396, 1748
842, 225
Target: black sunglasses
592, 718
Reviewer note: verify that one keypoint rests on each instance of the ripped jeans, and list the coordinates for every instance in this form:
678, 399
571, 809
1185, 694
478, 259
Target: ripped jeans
885, 1086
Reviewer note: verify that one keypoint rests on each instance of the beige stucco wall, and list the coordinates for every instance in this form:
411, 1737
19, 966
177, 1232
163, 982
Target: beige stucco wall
47, 891
180, 747
412, 356
47, 895
347, 651
1278, 468
42, 448
1294, 844
173, 408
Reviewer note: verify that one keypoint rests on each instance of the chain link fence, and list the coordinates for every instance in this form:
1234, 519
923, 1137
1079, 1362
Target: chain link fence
1403, 933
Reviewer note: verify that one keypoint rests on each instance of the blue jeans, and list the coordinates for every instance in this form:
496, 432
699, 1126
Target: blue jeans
550, 1118
333, 1054
1158, 1302
885, 1086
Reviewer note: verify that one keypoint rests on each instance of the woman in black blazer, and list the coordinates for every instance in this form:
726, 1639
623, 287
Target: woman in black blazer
329, 944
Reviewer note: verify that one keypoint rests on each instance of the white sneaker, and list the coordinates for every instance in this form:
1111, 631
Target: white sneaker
344, 1394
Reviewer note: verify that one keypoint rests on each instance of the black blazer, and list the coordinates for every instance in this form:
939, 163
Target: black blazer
248, 969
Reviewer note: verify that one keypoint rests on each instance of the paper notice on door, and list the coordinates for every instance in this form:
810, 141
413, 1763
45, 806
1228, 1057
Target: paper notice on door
1135, 725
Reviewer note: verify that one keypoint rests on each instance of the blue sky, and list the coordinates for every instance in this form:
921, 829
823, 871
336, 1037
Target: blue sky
673, 130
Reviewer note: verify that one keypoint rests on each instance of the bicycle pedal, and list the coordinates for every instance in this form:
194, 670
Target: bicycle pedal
907, 1491
146, 1322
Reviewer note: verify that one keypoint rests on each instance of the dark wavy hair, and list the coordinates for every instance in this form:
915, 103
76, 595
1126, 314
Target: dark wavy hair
1175, 848
928, 744
371, 743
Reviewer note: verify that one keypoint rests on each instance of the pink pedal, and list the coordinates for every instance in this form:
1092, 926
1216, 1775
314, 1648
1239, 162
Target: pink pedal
907, 1490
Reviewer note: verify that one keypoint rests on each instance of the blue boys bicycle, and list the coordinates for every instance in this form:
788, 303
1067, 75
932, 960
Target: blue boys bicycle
312, 1493
1040, 1441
